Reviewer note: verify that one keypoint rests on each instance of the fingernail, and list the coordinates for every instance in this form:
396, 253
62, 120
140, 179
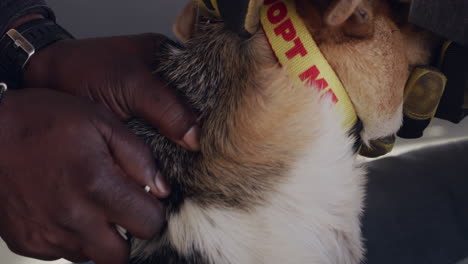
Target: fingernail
192, 138
163, 189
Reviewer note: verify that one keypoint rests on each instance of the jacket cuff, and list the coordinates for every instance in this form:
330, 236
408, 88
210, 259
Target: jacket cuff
11, 10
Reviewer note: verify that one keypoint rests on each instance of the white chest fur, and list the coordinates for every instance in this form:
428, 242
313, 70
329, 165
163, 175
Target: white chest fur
312, 216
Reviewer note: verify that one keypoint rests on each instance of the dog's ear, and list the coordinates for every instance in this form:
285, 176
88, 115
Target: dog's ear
356, 17
340, 11
183, 28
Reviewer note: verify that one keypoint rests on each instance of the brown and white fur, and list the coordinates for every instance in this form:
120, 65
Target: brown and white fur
276, 180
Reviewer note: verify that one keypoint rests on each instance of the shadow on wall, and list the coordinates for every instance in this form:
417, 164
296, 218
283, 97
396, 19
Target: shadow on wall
90, 18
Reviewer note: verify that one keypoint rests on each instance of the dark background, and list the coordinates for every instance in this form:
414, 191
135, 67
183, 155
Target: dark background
94, 18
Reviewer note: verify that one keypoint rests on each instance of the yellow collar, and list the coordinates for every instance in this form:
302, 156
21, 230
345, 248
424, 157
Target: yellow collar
296, 50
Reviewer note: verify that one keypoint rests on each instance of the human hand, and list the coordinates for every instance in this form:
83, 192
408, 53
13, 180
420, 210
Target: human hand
116, 72
70, 171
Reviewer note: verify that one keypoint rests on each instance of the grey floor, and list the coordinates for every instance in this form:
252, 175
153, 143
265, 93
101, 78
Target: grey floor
91, 18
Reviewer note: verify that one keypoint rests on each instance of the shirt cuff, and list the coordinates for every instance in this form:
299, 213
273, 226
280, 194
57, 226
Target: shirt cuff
11, 10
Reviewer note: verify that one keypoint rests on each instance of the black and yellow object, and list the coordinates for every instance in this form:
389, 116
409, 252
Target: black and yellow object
454, 64
423, 94
378, 148
440, 92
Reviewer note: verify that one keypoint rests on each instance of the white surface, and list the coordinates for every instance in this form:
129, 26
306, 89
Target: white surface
438, 132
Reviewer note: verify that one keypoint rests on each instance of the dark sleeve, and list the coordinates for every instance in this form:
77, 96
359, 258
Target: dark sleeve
10, 10
446, 18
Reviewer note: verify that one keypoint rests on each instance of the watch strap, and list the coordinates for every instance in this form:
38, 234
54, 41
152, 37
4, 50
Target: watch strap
18, 45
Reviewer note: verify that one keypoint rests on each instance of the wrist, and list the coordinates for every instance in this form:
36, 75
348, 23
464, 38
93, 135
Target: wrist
35, 72
19, 45
8, 111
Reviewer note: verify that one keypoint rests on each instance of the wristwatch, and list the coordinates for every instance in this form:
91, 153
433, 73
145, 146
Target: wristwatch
18, 45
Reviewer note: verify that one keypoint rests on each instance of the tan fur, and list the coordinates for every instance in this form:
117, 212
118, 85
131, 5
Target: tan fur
276, 170
185, 22
419, 45
340, 11
374, 76
361, 23
260, 168
373, 70
372, 55
265, 132
252, 22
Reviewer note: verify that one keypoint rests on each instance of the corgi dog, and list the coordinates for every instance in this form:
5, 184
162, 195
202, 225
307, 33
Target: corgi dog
277, 179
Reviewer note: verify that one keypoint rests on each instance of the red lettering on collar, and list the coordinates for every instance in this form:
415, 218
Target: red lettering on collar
297, 49
311, 75
286, 30
277, 12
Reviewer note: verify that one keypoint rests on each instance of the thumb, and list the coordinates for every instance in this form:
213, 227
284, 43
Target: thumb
160, 106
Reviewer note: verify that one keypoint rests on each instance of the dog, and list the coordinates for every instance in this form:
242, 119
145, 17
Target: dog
277, 179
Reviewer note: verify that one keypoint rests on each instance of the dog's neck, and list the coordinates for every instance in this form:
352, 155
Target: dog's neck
207, 83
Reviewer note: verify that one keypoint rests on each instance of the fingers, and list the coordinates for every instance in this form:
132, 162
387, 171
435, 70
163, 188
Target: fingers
134, 158
139, 213
117, 189
149, 44
67, 245
125, 203
45, 245
158, 104
41, 253
104, 245
73, 253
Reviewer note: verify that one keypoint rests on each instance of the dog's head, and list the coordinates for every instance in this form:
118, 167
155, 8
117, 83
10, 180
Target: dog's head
370, 51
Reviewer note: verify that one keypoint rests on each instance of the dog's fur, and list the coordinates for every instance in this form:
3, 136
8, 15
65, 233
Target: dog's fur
276, 180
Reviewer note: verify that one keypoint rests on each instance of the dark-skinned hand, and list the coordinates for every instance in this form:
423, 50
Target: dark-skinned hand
118, 73
70, 171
